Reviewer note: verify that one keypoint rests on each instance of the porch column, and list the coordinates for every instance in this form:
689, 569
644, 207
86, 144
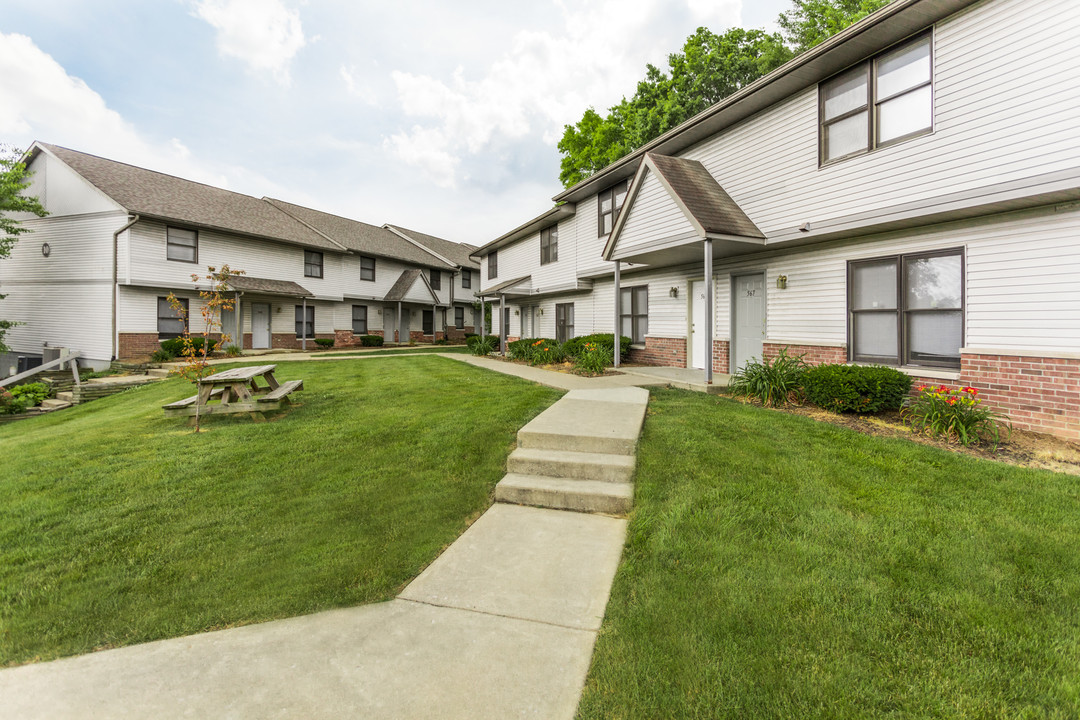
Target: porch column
238, 339
483, 328
618, 314
708, 312
397, 330
303, 327
502, 324
434, 322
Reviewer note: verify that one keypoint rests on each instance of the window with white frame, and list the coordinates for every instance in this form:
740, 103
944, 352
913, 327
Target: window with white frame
549, 245
493, 265
305, 321
634, 313
313, 264
907, 309
181, 245
436, 280
879, 102
170, 321
359, 319
607, 206
367, 268
466, 278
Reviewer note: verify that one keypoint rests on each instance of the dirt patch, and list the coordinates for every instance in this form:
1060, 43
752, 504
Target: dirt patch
1026, 449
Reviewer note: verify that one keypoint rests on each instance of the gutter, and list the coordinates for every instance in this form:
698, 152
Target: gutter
116, 281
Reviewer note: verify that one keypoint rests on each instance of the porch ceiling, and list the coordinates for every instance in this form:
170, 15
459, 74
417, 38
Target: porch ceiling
689, 251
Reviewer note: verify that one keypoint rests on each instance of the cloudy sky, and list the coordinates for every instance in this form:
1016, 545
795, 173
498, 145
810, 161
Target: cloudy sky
439, 116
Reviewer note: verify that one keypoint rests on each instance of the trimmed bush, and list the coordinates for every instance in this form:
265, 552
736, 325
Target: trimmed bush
371, 340
574, 347
175, 346
774, 382
324, 342
856, 388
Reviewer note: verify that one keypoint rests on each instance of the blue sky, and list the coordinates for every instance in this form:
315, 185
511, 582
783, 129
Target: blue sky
442, 117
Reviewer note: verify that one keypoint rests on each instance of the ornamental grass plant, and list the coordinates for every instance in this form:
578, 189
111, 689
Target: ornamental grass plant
955, 414
773, 382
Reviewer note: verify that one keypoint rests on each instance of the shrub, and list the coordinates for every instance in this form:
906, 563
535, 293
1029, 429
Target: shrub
371, 340
441, 341
575, 346
521, 349
774, 383
18, 398
233, 351
957, 415
482, 345
856, 388
175, 346
324, 342
594, 357
161, 355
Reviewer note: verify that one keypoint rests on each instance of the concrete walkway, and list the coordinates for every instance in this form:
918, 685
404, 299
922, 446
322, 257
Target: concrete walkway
501, 625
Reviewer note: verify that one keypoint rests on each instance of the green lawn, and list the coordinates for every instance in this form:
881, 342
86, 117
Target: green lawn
118, 525
422, 349
777, 567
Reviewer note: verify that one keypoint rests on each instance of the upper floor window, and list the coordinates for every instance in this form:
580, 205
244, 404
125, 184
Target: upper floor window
878, 103
436, 280
634, 313
608, 204
367, 268
312, 264
907, 309
493, 265
182, 245
466, 278
549, 245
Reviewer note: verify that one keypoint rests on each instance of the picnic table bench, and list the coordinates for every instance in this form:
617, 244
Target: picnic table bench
237, 391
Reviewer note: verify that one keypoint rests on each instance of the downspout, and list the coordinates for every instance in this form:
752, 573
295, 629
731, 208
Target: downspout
116, 282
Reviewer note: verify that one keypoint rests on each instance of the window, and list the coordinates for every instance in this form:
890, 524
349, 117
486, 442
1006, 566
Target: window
493, 265
466, 278
634, 313
367, 268
429, 322
564, 321
312, 264
459, 317
549, 245
182, 245
305, 321
878, 103
436, 280
170, 323
359, 319
907, 309
608, 204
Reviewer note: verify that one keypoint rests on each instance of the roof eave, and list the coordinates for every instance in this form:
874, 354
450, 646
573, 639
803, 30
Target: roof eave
554, 215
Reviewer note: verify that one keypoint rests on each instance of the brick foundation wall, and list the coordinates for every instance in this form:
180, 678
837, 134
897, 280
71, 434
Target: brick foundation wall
138, 344
814, 354
455, 333
1039, 394
665, 352
721, 357
287, 341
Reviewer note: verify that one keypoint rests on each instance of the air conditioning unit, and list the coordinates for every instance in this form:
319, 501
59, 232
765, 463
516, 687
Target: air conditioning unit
48, 354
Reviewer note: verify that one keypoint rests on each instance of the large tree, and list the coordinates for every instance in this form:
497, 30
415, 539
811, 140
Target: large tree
710, 68
14, 179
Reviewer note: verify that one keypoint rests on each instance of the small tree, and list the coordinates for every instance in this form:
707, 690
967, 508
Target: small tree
13, 181
196, 365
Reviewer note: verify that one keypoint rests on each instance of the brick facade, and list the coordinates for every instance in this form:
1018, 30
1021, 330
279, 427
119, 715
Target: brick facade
721, 357
456, 333
665, 352
814, 354
138, 344
287, 341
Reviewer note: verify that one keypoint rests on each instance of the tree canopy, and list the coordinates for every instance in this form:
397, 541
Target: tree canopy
709, 68
14, 179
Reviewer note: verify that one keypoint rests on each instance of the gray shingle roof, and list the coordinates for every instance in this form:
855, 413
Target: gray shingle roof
246, 283
455, 252
703, 197
157, 195
496, 289
404, 283
359, 236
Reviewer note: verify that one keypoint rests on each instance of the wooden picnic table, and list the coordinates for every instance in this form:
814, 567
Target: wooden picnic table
237, 391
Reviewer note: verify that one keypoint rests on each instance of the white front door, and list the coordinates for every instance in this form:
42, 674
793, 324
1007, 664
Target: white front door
748, 322
697, 324
260, 325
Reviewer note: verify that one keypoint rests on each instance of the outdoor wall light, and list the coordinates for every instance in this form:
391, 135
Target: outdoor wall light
805, 227
46, 249
517, 312
673, 292
781, 282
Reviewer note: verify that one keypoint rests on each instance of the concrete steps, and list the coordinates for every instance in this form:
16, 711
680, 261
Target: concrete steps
55, 404
578, 454
157, 372
66, 396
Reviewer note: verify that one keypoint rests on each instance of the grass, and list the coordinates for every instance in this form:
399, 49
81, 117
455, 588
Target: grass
118, 525
405, 350
777, 567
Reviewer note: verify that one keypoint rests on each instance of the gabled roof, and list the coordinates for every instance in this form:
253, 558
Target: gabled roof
405, 283
155, 195
456, 253
895, 21
502, 287
708, 208
359, 236
246, 283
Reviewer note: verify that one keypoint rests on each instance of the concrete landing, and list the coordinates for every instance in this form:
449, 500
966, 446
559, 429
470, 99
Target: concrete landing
681, 378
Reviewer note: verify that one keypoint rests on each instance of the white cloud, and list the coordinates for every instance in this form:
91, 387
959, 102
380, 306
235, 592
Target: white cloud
547, 78
426, 148
264, 34
357, 87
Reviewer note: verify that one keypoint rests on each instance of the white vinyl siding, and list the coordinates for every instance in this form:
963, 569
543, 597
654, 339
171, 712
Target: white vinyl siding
654, 216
